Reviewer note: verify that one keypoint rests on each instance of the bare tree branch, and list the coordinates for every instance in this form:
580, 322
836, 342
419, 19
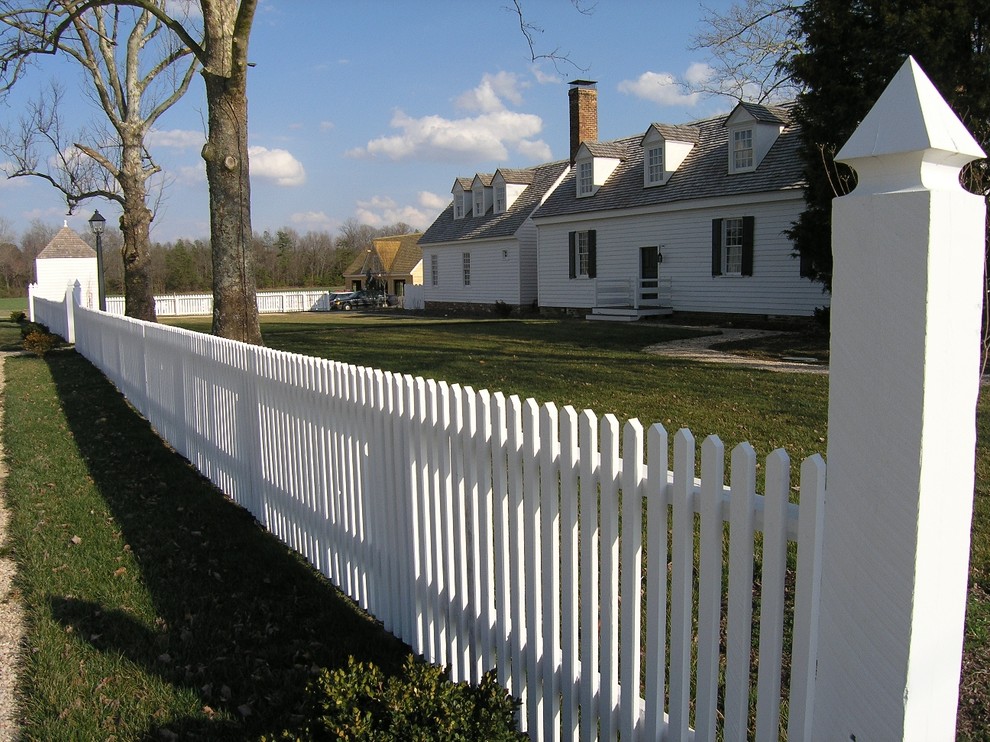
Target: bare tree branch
750, 46
530, 30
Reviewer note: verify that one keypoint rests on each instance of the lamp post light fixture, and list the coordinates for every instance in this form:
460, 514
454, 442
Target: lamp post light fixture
96, 223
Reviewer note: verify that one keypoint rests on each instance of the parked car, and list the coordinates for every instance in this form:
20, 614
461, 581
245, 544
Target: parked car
347, 300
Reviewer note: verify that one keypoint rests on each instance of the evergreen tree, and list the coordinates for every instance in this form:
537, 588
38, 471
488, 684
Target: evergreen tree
851, 50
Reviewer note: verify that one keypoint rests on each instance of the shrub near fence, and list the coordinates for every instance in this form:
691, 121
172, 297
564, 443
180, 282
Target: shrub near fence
453, 516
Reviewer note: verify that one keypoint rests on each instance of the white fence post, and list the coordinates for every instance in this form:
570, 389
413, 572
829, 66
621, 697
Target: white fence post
908, 248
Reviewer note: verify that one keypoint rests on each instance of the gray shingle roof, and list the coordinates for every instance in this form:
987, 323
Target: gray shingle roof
66, 244
515, 176
615, 150
768, 114
491, 225
703, 174
673, 133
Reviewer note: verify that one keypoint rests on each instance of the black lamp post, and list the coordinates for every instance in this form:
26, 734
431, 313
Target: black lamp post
97, 223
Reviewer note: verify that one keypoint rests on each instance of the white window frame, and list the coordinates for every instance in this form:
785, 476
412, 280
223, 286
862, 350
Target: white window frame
654, 165
459, 208
499, 199
466, 266
732, 246
743, 153
582, 255
479, 204
586, 178
434, 271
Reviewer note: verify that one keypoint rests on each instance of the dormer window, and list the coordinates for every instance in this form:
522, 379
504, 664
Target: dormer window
586, 179
499, 199
462, 197
742, 149
481, 194
752, 131
665, 148
654, 165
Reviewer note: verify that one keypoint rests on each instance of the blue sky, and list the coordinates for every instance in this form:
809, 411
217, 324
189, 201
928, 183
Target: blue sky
368, 110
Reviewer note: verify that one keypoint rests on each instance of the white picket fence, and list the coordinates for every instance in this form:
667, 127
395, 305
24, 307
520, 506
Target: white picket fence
269, 302
485, 531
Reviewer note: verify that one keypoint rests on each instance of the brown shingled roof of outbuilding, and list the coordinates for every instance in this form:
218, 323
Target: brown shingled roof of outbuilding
66, 244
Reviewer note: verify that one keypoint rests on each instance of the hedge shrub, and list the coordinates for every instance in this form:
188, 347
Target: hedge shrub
359, 703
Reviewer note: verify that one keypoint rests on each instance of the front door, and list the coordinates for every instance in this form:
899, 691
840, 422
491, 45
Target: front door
649, 275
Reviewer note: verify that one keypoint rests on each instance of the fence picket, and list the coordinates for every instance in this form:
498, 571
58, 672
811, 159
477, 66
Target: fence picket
609, 577
532, 549
631, 604
589, 628
709, 587
502, 560
570, 677
739, 632
516, 557
549, 569
658, 500
772, 595
682, 570
804, 641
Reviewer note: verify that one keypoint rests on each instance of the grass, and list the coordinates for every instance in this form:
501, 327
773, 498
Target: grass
119, 486
156, 607
12, 304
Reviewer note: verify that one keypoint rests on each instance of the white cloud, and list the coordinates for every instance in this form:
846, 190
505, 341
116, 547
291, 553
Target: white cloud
5, 182
661, 87
488, 136
278, 165
536, 150
191, 174
176, 138
433, 201
313, 220
381, 211
183, 8
327, 125
487, 97
543, 78
698, 73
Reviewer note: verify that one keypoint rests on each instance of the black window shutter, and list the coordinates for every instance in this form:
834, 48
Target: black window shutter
716, 247
592, 255
747, 247
571, 254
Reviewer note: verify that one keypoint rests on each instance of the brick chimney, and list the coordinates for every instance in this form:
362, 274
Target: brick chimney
583, 97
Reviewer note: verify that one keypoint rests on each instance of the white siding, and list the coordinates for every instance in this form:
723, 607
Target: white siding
496, 268
55, 274
775, 287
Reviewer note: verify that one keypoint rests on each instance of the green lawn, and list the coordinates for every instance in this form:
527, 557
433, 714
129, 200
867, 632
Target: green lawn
12, 304
194, 587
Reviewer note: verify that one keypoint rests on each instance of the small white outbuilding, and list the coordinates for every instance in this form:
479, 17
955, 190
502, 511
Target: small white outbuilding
65, 260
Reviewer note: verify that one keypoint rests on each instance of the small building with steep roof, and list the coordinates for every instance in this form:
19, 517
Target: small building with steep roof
391, 264
65, 260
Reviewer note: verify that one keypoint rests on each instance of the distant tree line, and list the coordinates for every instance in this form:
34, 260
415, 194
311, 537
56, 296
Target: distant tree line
283, 259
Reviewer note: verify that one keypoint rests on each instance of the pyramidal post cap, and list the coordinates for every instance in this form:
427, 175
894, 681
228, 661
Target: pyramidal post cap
911, 116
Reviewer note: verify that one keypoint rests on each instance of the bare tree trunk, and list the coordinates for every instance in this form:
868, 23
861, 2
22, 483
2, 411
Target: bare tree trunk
135, 226
235, 308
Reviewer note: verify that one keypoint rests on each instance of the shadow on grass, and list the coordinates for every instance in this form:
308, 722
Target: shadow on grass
241, 621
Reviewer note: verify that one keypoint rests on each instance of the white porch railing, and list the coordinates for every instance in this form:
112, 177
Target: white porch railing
632, 293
